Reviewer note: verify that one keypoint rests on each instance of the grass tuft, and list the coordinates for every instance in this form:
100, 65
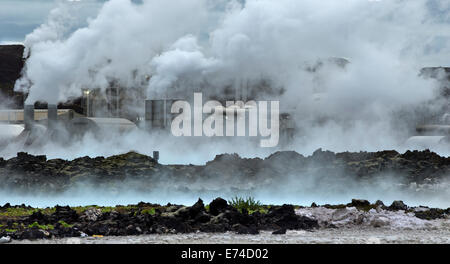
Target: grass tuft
249, 204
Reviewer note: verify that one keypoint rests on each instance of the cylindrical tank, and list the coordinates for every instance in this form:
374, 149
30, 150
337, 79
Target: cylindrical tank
154, 113
158, 113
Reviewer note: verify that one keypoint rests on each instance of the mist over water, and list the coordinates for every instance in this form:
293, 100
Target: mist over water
283, 50
299, 189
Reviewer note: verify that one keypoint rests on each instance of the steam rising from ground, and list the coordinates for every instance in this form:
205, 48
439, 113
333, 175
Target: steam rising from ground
206, 45
285, 44
298, 188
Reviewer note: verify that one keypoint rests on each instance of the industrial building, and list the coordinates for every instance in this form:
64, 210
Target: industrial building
117, 107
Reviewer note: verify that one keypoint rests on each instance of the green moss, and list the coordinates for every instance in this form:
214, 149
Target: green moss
44, 227
262, 210
150, 211
20, 212
64, 224
11, 230
105, 209
82, 209
16, 212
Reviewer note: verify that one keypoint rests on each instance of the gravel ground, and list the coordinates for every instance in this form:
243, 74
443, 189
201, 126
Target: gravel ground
322, 236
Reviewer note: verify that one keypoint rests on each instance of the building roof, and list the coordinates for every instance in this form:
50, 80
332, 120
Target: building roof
16, 116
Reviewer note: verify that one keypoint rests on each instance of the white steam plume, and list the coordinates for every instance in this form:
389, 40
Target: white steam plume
207, 45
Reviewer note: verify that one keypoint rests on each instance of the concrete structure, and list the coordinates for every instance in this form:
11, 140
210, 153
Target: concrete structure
437, 132
82, 125
40, 115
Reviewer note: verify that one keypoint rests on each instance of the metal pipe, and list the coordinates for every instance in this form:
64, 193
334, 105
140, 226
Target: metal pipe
28, 116
52, 116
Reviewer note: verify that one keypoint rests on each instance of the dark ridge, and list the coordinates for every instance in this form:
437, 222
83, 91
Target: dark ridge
11, 64
35, 173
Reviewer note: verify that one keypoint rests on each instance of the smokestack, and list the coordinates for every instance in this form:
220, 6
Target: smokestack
155, 112
52, 116
156, 155
28, 116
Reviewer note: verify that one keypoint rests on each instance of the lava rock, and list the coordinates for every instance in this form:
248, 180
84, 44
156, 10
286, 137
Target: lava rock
431, 214
33, 234
65, 213
245, 230
5, 239
91, 214
196, 209
398, 205
217, 206
281, 231
39, 217
359, 203
379, 203
285, 217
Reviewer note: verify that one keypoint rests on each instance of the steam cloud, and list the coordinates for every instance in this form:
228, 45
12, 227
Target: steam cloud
205, 45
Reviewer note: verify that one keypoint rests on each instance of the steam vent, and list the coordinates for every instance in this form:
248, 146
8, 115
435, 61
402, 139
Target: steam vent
225, 122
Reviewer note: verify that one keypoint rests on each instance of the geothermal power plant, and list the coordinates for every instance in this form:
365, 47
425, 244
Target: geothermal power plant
94, 112
232, 121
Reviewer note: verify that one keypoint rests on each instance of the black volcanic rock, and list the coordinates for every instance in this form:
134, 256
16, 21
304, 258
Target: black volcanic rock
359, 203
36, 174
11, 65
11, 62
217, 206
285, 218
398, 205
64, 221
281, 231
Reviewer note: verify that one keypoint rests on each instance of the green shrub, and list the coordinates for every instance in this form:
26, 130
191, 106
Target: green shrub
249, 204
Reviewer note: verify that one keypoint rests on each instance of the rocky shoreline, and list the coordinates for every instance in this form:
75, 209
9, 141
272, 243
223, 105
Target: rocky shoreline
24, 222
145, 218
28, 173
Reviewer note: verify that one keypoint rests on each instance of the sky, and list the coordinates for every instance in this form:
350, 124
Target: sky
20, 17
